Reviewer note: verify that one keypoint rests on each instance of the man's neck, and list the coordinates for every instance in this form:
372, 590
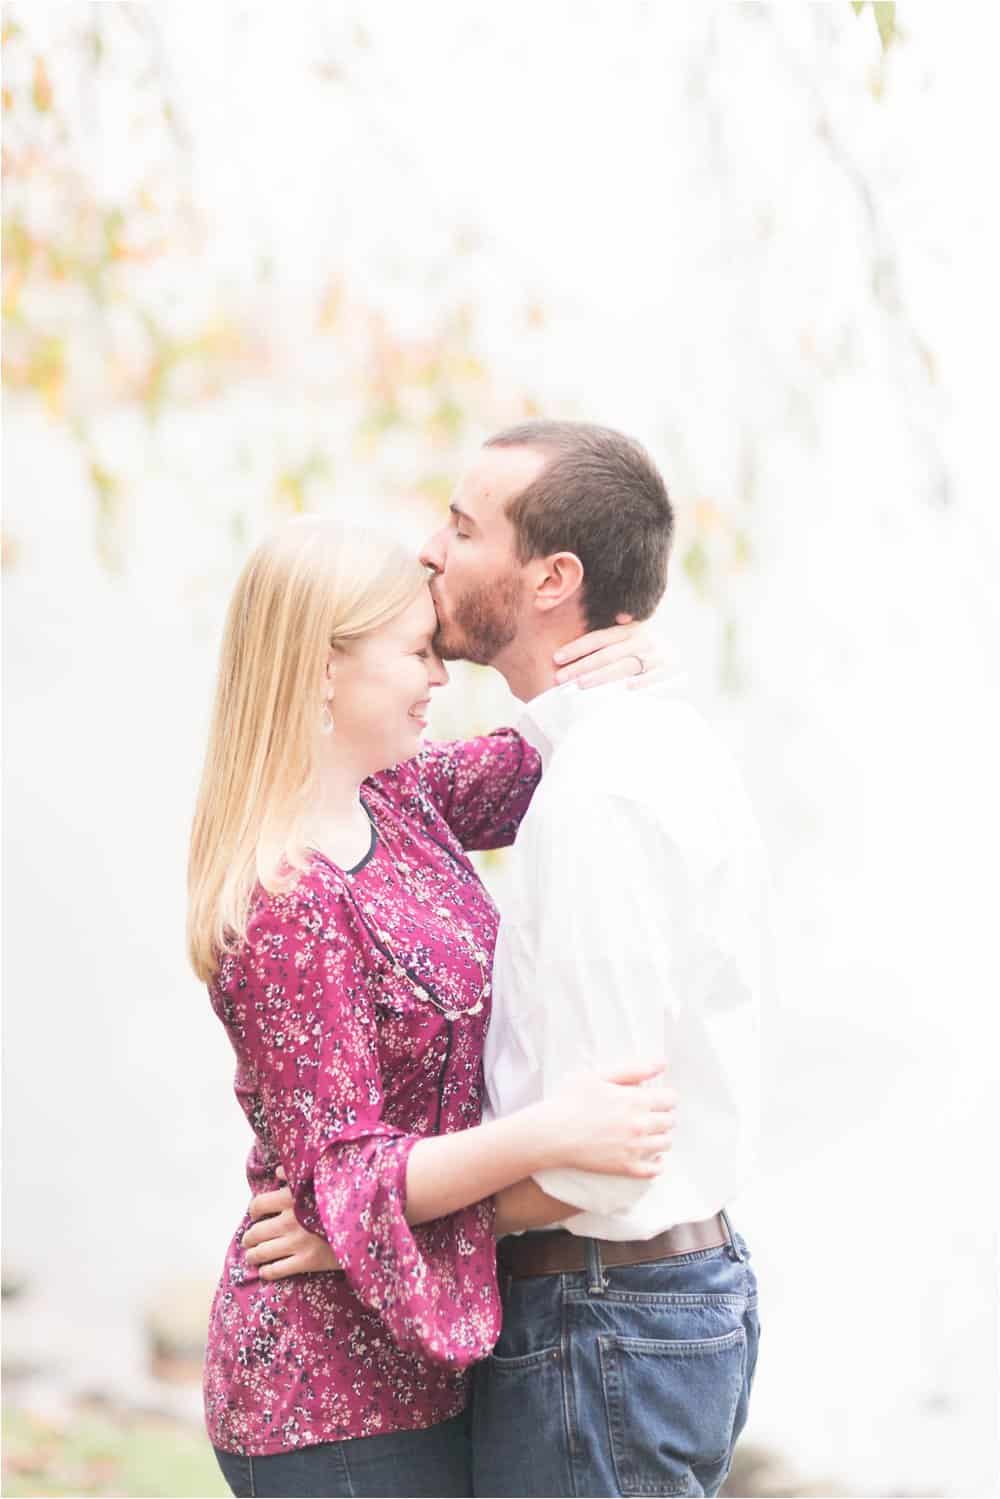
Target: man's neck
527, 663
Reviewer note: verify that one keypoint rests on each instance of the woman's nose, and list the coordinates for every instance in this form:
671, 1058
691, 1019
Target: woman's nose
439, 673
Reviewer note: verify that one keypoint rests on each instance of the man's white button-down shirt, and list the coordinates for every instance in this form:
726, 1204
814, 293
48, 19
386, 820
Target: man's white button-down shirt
633, 928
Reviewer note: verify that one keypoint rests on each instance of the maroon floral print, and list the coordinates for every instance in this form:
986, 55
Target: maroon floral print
338, 1006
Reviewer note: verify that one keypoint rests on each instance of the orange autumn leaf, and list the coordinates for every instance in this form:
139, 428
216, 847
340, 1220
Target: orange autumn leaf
41, 87
707, 516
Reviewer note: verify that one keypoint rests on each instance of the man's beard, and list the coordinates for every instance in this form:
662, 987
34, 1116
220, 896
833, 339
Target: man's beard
483, 623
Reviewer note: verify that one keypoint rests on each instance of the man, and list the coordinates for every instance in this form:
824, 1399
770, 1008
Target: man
632, 929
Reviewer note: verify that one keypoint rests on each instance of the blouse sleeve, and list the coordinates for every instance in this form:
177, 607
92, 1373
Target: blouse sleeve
481, 787
305, 1022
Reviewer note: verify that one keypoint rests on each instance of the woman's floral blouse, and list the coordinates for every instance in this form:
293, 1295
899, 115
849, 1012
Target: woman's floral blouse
341, 1067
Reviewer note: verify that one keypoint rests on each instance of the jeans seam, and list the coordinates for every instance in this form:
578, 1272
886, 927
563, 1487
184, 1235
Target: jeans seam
568, 1392
253, 1482
678, 1348
666, 1298
610, 1389
536, 1360
345, 1468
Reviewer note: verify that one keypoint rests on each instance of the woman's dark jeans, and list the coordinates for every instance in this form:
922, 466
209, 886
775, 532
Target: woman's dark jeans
434, 1462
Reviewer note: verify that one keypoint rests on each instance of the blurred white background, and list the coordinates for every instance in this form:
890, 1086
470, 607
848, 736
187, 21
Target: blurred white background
259, 260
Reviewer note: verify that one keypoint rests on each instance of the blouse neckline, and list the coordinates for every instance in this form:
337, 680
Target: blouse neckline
372, 845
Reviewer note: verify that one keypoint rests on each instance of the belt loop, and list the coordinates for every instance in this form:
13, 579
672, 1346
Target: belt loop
733, 1248
596, 1282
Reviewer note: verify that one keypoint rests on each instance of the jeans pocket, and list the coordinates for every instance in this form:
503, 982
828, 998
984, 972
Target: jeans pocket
518, 1426
671, 1409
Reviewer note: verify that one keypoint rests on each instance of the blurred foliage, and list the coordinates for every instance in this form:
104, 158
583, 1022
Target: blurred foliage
714, 550
84, 330
100, 319
104, 1452
714, 544
107, 314
291, 483
884, 12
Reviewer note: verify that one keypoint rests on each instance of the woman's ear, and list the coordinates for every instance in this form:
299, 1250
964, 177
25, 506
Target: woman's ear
330, 673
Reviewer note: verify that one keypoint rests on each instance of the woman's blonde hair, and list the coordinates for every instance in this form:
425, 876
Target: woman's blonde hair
312, 585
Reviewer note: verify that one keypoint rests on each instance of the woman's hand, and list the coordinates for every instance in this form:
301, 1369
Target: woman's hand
278, 1242
609, 1124
624, 650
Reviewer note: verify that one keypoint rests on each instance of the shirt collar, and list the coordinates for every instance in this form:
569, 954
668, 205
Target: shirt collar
548, 718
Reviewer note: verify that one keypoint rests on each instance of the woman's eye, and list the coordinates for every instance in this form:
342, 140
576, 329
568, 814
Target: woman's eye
423, 655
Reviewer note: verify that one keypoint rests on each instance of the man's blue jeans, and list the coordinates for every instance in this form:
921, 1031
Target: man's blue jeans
619, 1381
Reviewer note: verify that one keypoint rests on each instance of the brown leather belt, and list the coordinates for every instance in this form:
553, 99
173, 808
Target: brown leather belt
556, 1250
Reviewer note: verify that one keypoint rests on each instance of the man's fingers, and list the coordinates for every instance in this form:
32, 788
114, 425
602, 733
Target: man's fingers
270, 1250
281, 1268
595, 640
268, 1203
268, 1228
611, 673
264, 1206
588, 666
299, 1262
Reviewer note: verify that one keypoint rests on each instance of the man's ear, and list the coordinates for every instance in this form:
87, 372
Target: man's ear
559, 581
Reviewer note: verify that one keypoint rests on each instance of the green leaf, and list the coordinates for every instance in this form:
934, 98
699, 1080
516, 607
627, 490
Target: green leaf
695, 564
857, 6
885, 20
731, 673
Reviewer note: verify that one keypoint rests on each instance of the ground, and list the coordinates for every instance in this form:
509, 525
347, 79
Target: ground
101, 1451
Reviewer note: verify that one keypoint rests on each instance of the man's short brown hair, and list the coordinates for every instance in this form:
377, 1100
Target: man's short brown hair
601, 497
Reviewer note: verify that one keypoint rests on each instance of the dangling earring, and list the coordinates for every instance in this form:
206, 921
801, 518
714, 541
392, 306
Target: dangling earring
326, 722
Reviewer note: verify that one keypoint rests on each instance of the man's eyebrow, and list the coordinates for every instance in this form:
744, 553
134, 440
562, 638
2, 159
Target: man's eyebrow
461, 514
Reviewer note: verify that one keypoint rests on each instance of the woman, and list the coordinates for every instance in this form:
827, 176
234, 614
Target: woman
347, 944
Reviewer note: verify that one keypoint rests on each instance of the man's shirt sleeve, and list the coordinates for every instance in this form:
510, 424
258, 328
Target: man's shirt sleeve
613, 897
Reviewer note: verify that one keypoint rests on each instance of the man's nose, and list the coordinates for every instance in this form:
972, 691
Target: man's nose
432, 553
